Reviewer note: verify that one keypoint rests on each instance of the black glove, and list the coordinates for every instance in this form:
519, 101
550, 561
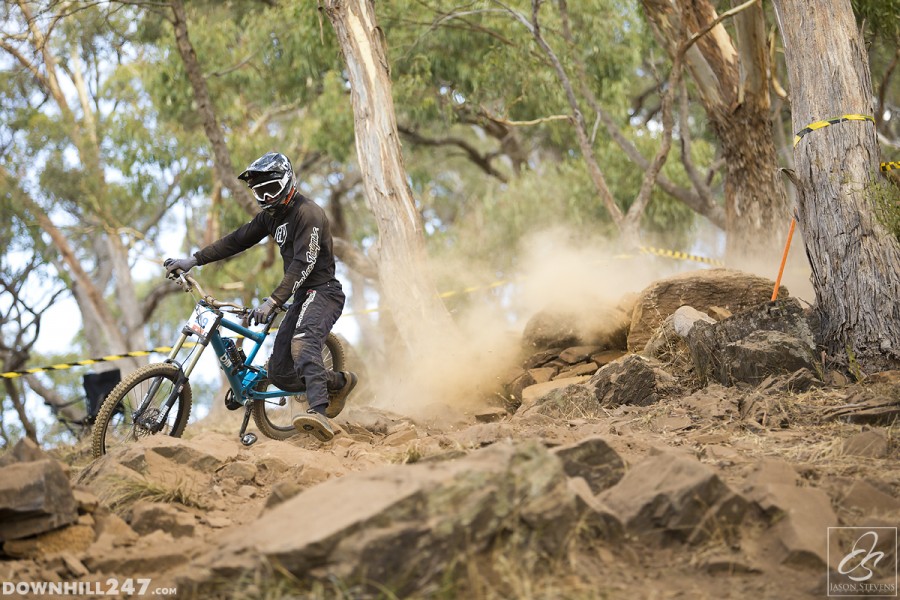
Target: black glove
262, 313
179, 264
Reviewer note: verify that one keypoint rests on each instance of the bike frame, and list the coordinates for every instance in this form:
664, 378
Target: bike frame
243, 377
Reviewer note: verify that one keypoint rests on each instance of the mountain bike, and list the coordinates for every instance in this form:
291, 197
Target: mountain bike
156, 399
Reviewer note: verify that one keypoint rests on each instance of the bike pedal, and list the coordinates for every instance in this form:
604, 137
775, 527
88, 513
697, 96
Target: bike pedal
248, 439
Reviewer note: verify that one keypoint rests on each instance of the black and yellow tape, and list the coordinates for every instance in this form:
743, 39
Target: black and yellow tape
885, 166
90, 361
826, 122
681, 256
166, 349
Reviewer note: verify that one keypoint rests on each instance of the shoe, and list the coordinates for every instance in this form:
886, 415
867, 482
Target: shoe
314, 423
337, 399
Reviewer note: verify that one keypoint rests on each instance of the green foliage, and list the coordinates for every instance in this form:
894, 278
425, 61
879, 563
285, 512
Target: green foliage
881, 17
885, 197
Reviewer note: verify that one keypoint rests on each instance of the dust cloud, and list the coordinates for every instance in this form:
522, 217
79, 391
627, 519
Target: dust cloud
461, 374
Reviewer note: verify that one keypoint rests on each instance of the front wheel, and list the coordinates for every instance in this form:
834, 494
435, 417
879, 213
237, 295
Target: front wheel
146, 391
274, 416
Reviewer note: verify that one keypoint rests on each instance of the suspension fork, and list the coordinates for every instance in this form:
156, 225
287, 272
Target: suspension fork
183, 374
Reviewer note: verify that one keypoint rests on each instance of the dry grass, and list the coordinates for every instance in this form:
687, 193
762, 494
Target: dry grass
120, 493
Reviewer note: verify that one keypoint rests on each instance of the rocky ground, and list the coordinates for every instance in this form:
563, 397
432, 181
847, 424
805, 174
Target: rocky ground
687, 443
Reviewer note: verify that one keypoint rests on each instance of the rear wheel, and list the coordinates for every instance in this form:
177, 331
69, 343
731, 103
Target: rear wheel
274, 416
146, 389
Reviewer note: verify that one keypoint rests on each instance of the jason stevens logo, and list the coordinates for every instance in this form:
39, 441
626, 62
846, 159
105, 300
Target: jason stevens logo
862, 562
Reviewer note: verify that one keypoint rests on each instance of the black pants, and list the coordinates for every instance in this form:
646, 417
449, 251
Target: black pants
296, 361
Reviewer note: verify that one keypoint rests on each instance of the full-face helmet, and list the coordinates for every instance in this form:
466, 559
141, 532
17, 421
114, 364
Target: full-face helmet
271, 179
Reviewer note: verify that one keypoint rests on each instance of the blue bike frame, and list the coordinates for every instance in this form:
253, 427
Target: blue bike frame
242, 378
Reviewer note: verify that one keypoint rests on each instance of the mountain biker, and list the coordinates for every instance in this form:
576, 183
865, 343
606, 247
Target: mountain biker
302, 232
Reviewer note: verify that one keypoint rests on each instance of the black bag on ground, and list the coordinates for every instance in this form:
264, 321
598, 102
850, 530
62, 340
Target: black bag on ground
97, 387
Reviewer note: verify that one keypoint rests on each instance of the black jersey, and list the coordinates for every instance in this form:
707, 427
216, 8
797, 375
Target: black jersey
304, 237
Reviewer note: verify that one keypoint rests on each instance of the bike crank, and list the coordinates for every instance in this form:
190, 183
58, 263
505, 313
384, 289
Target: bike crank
247, 439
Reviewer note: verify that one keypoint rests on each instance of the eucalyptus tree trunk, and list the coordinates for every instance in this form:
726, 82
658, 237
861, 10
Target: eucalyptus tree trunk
855, 260
402, 262
732, 83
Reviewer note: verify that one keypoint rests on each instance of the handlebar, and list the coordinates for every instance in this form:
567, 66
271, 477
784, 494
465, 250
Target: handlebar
187, 283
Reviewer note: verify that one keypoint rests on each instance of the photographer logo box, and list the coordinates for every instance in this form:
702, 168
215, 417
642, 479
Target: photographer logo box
862, 562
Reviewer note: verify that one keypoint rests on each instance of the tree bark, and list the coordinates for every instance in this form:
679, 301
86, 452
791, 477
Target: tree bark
402, 262
733, 87
854, 258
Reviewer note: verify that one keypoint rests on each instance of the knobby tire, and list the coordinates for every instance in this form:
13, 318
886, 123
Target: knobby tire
269, 417
119, 396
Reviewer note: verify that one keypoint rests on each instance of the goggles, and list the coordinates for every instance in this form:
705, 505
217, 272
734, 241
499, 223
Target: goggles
269, 190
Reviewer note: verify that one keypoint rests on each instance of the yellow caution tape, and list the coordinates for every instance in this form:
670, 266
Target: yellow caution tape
166, 349
90, 361
885, 166
821, 124
681, 256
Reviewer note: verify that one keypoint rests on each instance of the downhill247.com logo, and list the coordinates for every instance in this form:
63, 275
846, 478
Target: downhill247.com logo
110, 587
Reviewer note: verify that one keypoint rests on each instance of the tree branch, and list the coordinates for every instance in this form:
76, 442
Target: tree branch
702, 206
348, 254
59, 405
19, 407
221, 156
686, 160
883, 88
587, 151
483, 161
156, 295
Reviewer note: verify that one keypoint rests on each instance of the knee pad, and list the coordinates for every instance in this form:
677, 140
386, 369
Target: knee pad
296, 348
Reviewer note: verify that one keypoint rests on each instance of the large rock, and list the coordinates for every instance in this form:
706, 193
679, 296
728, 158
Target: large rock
25, 450
631, 380
154, 553
605, 327
71, 538
868, 444
674, 497
560, 399
768, 339
35, 496
147, 517
703, 290
195, 468
763, 354
404, 526
800, 518
533, 393
594, 460
868, 499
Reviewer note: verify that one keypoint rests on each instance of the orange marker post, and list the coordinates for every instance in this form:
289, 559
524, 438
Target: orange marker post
787, 246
